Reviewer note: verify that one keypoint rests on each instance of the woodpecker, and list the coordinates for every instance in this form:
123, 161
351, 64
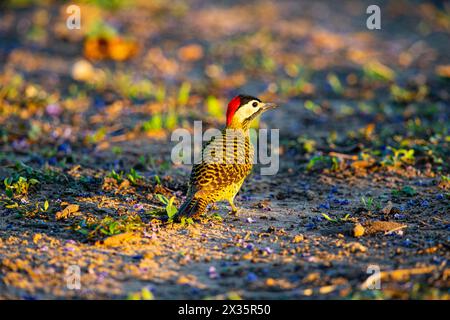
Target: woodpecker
226, 161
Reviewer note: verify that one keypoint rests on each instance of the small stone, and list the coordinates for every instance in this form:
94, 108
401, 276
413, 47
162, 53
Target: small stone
387, 209
83, 70
310, 195
298, 238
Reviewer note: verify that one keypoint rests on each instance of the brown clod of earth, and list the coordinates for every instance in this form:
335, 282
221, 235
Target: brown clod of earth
382, 226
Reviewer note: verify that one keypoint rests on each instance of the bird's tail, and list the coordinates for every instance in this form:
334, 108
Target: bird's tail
192, 207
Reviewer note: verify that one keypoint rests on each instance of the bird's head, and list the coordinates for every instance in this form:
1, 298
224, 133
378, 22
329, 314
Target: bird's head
243, 109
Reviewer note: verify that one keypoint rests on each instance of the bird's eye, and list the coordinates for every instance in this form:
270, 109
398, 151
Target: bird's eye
255, 104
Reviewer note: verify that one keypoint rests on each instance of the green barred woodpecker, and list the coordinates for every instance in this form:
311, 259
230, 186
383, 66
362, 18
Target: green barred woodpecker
226, 160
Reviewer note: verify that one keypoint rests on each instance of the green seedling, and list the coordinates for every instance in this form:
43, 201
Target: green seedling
331, 162
370, 203
117, 150
185, 222
405, 191
399, 157
19, 187
117, 176
327, 217
170, 208
133, 176
97, 136
154, 123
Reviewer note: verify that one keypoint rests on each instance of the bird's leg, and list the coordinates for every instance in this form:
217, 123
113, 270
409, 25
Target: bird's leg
234, 209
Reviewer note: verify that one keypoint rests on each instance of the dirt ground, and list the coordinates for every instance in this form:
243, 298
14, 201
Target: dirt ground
349, 196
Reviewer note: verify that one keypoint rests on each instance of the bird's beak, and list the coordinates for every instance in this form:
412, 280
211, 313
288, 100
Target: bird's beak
269, 105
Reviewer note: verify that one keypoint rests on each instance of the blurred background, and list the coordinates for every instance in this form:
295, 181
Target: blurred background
86, 117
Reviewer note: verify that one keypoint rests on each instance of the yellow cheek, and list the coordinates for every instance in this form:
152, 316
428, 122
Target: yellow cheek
245, 112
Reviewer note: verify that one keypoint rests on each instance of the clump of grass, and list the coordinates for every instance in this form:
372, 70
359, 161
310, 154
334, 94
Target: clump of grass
154, 123
370, 203
116, 176
169, 209
108, 226
325, 161
405, 191
399, 157
133, 176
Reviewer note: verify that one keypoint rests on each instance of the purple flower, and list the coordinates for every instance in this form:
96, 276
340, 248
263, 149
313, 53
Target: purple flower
325, 205
53, 110
250, 246
212, 273
21, 144
65, 148
440, 196
399, 216
251, 277
342, 202
407, 243
425, 203
52, 161
310, 226
268, 250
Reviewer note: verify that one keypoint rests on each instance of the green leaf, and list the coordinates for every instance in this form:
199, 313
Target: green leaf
33, 181
171, 209
328, 217
12, 206
162, 198
9, 193
409, 191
